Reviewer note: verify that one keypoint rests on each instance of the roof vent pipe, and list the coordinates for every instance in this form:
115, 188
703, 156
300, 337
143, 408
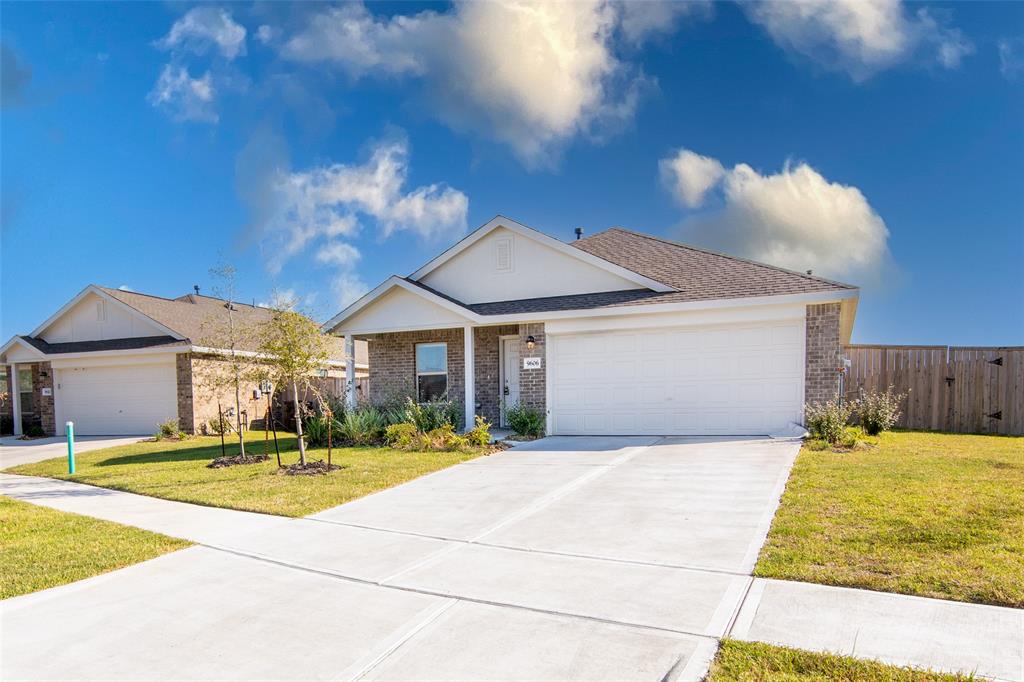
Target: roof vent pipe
196, 287
579, 232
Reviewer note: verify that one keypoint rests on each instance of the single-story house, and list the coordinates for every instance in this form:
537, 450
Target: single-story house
616, 333
119, 362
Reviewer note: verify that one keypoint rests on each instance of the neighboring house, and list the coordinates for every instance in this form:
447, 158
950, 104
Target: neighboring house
120, 362
618, 333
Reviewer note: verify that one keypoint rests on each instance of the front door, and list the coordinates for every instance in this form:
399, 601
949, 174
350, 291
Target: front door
509, 374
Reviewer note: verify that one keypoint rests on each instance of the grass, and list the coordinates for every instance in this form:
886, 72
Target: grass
930, 514
177, 471
42, 547
754, 662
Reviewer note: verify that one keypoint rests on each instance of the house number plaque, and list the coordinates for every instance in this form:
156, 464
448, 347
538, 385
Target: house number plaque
531, 363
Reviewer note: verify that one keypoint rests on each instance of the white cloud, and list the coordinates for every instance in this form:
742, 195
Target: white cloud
639, 21
348, 287
202, 28
125, 287
183, 97
338, 253
860, 37
326, 206
266, 34
796, 219
530, 75
1011, 62
689, 176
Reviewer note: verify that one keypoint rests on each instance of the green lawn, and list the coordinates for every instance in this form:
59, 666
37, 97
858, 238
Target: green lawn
177, 471
930, 514
750, 661
42, 547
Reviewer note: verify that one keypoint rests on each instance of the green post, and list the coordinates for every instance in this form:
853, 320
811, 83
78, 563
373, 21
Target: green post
71, 447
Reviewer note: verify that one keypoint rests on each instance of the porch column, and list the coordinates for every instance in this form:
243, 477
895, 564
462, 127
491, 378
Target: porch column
470, 375
13, 389
350, 372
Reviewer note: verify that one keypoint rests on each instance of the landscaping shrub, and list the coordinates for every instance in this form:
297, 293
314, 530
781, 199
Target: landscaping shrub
215, 426
400, 436
480, 435
363, 426
525, 421
828, 420
315, 427
407, 437
879, 411
169, 429
36, 431
434, 414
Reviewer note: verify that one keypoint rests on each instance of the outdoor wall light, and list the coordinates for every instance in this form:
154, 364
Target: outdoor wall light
530, 342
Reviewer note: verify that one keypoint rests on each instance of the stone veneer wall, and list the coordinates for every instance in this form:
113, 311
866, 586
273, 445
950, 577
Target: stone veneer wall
533, 382
821, 380
186, 417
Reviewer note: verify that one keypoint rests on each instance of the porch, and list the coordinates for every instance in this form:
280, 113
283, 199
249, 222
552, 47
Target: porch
480, 366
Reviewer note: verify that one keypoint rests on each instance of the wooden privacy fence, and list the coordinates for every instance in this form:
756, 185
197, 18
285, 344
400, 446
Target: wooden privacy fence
949, 388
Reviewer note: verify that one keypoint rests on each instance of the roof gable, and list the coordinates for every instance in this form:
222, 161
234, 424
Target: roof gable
505, 260
95, 315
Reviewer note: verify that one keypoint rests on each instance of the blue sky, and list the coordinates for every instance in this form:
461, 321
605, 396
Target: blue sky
321, 148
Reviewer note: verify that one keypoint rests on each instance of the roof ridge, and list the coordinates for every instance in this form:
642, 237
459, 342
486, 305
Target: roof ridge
740, 259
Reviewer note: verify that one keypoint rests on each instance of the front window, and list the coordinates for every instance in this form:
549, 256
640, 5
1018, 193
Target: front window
25, 388
431, 371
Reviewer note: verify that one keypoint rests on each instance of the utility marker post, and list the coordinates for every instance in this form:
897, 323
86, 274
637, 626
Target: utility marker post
70, 427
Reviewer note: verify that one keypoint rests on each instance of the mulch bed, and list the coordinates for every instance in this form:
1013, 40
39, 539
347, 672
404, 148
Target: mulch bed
311, 468
233, 460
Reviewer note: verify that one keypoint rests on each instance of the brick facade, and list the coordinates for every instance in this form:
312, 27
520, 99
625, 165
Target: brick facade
202, 382
824, 348
533, 382
393, 366
42, 377
487, 369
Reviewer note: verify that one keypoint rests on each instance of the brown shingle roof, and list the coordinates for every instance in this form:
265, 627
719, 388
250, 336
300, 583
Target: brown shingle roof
698, 274
194, 317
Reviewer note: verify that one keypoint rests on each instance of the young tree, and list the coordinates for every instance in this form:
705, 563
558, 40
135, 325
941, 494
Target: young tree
294, 349
225, 332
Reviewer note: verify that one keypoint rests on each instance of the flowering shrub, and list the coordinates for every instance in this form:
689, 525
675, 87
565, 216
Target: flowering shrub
880, 411
828, 420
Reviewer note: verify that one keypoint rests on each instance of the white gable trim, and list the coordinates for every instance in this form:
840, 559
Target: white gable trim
18, 341
93, 289
386, 286
537, 236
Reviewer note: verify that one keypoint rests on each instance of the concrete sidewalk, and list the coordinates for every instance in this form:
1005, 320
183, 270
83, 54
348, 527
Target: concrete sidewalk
14, 451
601, 558
987, 641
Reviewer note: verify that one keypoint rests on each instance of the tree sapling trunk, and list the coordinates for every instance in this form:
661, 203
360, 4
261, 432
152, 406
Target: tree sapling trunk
298, 423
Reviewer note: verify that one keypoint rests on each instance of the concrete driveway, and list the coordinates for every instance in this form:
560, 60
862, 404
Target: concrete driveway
14, 451
567, 558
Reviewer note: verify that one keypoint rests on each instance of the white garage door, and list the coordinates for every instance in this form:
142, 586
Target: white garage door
125, 399
725, 380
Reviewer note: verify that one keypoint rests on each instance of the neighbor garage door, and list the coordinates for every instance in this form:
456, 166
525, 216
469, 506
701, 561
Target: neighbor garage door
126, 399
723, 380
